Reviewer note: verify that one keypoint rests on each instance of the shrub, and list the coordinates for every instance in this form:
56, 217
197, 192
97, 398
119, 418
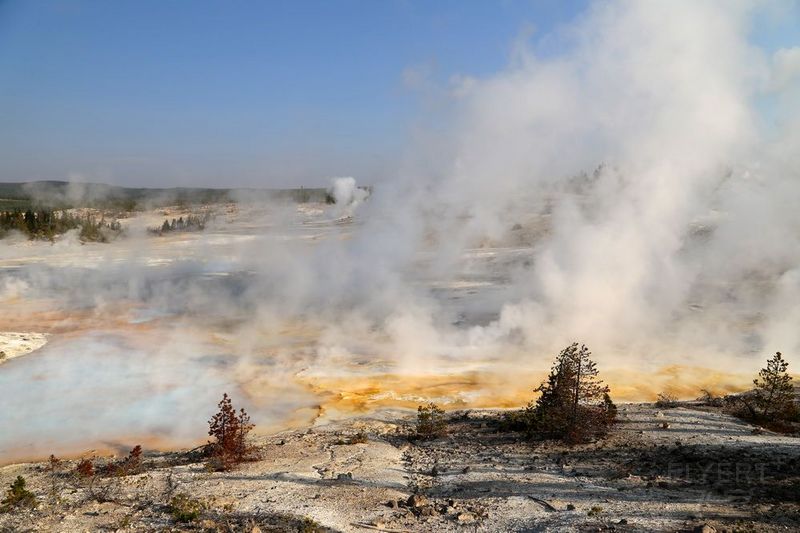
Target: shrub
519, 420
666, 400
609, 409
53, 466
128, 466
430, 421
358, 438
17, 496
85, 468
709, 398
574, 404
230, 432
185, 509
133, 463
772, 400
309, 525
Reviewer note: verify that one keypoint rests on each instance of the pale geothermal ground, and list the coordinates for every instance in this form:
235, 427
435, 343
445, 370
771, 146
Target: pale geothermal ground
706, 470
134, 342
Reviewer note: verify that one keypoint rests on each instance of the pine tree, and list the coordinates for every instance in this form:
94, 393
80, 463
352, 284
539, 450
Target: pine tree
574, 404
17, 496
430, 421
774, 393
230, 431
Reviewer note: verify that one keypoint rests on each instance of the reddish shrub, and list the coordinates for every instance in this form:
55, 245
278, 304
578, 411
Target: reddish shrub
130, 465
85, 468
230, 433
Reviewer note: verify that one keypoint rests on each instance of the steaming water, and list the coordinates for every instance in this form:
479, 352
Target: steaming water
147, 332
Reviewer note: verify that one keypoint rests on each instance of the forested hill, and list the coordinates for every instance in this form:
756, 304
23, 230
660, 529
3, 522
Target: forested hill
62, 195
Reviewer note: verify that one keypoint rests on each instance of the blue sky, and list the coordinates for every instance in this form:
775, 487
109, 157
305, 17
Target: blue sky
179, 92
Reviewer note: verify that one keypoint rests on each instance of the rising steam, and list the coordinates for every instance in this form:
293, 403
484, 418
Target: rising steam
630, 192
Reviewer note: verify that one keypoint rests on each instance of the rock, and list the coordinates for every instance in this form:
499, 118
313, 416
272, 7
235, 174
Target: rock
427, 510
570, 507
466, 470
345, 477
665, 425
705, 528
392, 504
465, 517
417, 500
623, 522
255, 529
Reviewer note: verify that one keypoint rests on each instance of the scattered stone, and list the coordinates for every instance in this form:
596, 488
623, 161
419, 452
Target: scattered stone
417, 500
427, 510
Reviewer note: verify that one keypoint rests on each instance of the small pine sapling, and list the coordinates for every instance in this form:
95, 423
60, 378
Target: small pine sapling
229, 430
17, 496
774, 392
430, 421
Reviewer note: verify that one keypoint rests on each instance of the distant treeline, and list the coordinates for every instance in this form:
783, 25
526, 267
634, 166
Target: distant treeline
47, 224
191, 223
59, 195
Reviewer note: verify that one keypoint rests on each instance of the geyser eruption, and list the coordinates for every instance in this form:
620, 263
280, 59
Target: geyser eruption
628, 192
